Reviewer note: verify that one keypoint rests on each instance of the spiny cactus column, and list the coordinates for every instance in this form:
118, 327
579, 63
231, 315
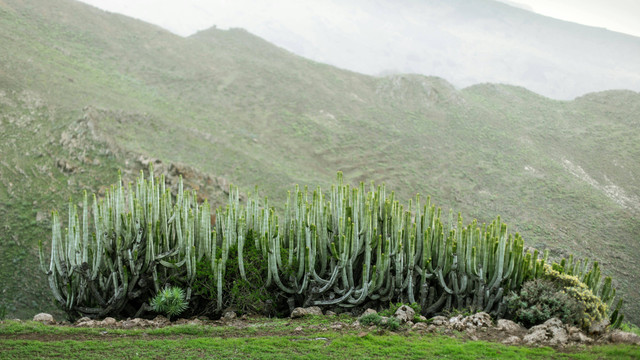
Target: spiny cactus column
134, 238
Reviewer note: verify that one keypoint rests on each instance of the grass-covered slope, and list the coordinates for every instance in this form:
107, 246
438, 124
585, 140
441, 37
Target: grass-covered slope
98, 91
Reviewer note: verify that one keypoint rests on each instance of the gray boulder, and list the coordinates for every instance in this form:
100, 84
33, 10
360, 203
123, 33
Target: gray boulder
44, 318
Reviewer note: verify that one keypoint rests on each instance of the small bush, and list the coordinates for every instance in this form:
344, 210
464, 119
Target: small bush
592, 309
392, 324
249, 296
170, 301
628, 327
370, 319
540, 300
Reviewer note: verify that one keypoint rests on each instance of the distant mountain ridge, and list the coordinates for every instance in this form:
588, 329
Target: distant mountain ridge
465, 42
225, 107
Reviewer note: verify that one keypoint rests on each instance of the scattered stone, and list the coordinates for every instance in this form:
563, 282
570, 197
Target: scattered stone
161, 321
83, 319
136, 323
409, 323
362, 334
404, 313
599, 328
298, 329
460, 322
330, 313
422, 318
44, 318
337, 326
439, 320
368, 312
535, 337
301, 312
580, 337
195, 322
109, 321
508, 326
552, 332
420, 326
622, 337
229, 316
511, 340
88, 323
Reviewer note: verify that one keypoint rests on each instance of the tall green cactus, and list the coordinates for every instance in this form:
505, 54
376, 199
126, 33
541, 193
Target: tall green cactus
344, 248
135, 241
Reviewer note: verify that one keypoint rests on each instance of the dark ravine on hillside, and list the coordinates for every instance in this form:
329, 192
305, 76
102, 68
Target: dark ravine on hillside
230, 106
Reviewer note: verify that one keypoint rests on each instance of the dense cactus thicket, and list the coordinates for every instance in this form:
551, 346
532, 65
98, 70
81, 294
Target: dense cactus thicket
349, 247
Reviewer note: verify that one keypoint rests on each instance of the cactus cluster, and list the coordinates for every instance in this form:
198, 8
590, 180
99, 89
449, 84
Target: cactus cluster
112, 259
348, 247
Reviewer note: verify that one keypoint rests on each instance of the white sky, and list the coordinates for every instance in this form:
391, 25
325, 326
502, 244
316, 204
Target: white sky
185, 17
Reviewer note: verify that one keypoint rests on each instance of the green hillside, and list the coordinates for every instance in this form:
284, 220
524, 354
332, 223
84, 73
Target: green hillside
84, 93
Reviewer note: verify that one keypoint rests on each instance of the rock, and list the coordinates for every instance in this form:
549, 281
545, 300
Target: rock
552, 332
404, 313
481, 319
44, 318
511, 340
83, 319
553, 322
580, 337
622, 337
558, 336
439, 320
108, 321
368, 312
298, 329
599, 328
537, 336
422, 318
300, 312
508, 326
229, 315
329, 313
409, 323
420, 326
160, 321
384, 320
86, 323
456, 322
337, 326
136, 323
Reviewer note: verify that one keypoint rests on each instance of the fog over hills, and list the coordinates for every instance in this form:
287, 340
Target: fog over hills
465, 42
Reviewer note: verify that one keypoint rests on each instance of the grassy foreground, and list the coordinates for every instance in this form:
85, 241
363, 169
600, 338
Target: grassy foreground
267, 339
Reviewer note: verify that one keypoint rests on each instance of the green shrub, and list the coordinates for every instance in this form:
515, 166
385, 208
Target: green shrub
592, 309
170, 301
628, 327
248, 295
370, 319
540, 300
3, 311
392, 324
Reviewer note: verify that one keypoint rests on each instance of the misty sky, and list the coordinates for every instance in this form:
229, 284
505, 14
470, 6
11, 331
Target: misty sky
185, 17
457, 40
